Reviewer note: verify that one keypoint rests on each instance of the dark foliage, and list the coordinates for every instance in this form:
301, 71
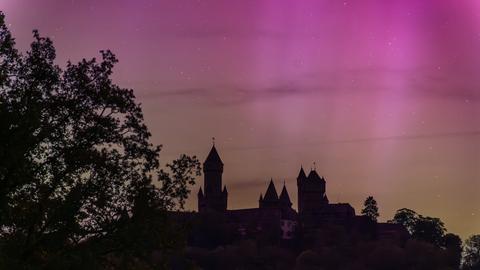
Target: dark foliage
430, 230
407, 218
426, 229
453, 247
472, 253
370, 208
330, 247
77, 170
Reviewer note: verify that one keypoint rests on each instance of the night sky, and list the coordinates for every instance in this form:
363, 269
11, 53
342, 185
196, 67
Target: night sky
384, 96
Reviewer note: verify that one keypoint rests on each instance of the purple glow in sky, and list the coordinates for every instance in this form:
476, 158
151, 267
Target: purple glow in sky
383, 95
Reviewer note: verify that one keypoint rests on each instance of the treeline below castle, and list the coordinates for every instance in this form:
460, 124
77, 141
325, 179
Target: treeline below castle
213, 243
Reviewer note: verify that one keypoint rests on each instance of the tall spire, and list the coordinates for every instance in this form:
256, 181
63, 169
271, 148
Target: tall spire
215, 197
271, 194
301, 176
200, 192
284, 198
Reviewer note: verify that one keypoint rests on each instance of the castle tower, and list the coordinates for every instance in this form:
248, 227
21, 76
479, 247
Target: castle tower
316, 182
311, 192
301, 179
212, 197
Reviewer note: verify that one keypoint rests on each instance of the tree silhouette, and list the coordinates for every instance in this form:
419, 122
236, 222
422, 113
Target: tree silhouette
471, 254
429, 229
77, 170
453, 246
174, 190
405, 217
370, 208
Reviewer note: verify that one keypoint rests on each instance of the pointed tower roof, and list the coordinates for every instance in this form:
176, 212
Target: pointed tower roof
301, 174
271, 194
284, 198
261, 197
325, 198
213, 157
200, 192
313, 175
225, 189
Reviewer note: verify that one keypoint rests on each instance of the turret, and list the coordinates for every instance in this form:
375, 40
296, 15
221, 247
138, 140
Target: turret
212, 196
325, 199
284, 198
201, 200
224, 198
301, 179
212, 171
271, 197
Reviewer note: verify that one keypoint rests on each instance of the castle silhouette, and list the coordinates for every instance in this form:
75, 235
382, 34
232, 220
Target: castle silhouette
275, 213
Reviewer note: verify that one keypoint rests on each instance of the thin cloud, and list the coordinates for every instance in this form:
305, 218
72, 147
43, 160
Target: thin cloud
249, 184
226, 95
418, 83
440, 135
